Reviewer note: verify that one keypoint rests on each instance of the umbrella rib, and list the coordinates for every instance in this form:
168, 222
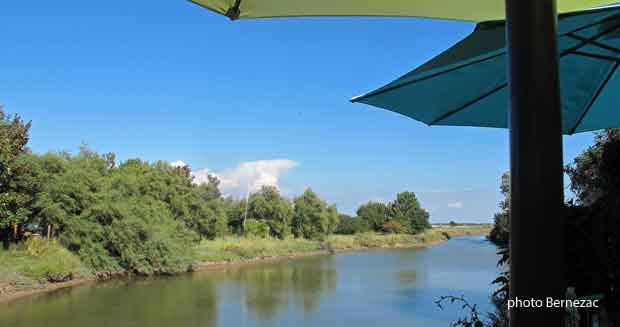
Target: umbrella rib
563, 54
595, 43
587, 41
598, 22
234, 11
584, 41
596, 95
469, 103
394, 87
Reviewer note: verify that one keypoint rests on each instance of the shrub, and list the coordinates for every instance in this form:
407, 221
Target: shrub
350, 226
35, 247
148, 241
256, 228
50, 261
394, 227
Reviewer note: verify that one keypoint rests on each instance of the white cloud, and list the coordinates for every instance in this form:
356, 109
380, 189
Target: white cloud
456, 205
250, 175
178, 164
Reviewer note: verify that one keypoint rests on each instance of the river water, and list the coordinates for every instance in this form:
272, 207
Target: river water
357, 289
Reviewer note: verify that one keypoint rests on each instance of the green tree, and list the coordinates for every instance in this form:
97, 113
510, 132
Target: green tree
589, 177
394, 227
374, 214
211, 190
257, 228
14, 196
138, 216
406, 209
269, 206
235, 214
311, 217
333, 219
500, 232
351, 225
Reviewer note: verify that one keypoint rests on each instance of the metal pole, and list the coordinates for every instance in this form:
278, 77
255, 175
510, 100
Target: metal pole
536, 223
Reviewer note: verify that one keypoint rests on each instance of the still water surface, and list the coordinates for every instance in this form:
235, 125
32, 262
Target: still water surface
389, 288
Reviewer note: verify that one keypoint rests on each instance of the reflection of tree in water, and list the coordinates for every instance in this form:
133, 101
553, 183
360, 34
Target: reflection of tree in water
270, 287
187, 301
183, 301
312, 280
407, 277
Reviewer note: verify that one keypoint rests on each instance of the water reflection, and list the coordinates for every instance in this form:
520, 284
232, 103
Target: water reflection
362, 289
407, 277
120, 303
268, 288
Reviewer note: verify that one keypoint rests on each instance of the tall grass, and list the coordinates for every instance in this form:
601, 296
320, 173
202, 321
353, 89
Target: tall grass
229, 249
36, 262
245, 248
374, 240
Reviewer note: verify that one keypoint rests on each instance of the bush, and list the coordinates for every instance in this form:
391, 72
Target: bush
35, 247
48, 261
393, 227
350, 226
148, 241
256, 228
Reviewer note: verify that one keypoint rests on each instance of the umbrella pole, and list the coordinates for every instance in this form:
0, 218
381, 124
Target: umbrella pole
536, 224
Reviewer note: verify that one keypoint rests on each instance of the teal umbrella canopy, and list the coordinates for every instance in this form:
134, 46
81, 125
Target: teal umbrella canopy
467, 85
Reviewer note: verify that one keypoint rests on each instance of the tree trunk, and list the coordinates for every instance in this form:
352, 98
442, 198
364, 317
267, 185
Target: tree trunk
4, 234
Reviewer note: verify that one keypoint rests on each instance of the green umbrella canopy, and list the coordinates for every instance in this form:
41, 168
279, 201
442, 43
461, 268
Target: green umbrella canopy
467, 10
467, 84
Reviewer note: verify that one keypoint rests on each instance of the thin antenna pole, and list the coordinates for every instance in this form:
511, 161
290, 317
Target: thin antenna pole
247, 204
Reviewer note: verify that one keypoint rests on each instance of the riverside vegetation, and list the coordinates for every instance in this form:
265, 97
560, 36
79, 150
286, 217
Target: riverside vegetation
592, 229
65, 217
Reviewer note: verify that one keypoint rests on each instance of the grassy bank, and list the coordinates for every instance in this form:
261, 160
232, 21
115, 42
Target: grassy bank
231, 249
41, 266
429, 237
235, 249
36, 265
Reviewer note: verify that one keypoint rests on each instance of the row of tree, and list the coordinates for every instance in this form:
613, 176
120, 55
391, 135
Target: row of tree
403, 215
145, 217
267, 213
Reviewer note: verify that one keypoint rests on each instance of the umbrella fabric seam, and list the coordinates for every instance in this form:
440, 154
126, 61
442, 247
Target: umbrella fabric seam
598, 22
596, 95
584, 41
469, 103
480, 98
587, 41
420, 79
234, 11
594, 42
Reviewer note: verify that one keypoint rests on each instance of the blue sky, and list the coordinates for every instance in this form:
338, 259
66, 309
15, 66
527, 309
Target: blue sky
252, 101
